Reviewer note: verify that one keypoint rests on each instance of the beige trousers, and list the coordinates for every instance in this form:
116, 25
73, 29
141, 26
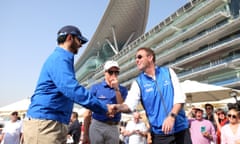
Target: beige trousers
36, 131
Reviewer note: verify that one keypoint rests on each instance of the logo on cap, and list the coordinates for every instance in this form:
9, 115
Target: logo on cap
73, 31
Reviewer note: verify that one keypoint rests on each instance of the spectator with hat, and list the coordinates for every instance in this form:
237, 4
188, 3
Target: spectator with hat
12, 130
202, 130
57, 90
104, 130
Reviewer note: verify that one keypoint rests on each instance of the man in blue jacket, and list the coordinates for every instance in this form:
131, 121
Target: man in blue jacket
56, 91
159, 91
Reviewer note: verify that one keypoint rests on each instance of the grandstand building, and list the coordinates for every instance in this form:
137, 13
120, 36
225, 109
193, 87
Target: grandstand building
200, 41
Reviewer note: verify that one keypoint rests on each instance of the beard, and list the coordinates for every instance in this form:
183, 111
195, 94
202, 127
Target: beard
74, 48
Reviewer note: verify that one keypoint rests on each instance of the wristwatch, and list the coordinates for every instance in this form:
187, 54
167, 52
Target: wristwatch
173, 115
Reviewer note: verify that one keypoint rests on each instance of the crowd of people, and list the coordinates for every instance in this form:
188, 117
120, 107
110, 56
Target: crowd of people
50, 119
223, 129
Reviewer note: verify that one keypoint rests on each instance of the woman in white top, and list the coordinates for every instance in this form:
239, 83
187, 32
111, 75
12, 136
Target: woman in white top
230, 133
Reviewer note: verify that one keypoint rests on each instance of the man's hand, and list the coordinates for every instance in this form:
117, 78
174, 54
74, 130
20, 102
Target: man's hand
168, 125
114, 83
112, 110
207, 135
120, 108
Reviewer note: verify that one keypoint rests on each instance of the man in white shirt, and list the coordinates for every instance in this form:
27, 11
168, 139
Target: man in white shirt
159, 91
136, 130
12, 130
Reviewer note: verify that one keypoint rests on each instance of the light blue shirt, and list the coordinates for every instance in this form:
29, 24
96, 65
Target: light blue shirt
57, 90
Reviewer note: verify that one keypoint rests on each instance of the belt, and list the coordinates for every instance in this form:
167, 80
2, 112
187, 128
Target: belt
111, 122
105, 122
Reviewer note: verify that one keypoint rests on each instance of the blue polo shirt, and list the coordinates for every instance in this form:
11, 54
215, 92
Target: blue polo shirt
57, 90
107, 95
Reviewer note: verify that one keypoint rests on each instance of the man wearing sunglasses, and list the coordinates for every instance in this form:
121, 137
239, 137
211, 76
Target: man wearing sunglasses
12, 130
103, 129
159, 91
209, 109
57, 90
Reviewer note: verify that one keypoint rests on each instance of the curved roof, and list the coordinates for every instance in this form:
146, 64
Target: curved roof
120, 20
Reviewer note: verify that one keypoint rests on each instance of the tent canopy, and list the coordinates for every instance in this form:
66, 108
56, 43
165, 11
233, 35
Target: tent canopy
21, 105
201, 92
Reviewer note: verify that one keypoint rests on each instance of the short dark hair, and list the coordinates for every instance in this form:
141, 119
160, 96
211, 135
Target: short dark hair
14, 113
149, 52
208, 105
61, 39
75, 114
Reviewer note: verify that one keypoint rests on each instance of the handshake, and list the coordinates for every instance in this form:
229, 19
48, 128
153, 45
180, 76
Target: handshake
116, 108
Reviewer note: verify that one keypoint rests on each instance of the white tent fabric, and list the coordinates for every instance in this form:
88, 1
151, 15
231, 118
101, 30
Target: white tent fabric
201, 92
21, 105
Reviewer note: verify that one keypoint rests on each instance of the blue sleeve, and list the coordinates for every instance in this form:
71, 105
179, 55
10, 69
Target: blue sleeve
93, 90
63, 76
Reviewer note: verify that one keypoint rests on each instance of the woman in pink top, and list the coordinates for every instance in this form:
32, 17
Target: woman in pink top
230, 133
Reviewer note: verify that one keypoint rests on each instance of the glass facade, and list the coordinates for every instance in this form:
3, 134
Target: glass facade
200, 41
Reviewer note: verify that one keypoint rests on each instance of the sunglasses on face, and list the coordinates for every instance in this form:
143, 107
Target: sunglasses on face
208, 108
220, 113
232, 116
113, 72
139, 57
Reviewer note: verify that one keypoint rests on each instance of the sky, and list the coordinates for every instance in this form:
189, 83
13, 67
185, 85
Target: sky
28, 35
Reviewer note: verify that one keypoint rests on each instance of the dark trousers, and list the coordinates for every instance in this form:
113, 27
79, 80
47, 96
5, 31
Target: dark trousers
182, 137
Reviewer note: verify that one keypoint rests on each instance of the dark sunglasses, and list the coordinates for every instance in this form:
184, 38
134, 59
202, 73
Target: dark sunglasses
232, 116
209, 108
220, 113
113, 72
139, 56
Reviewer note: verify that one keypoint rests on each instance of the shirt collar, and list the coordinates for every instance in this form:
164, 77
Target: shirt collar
62, 50
104, 83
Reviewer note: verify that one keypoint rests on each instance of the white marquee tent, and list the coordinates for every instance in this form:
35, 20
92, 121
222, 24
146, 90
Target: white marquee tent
22, 106
200, 92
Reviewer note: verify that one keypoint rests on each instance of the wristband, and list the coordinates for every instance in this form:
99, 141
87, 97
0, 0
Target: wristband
173, 115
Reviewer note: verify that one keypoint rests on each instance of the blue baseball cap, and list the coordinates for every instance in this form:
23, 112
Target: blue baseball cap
69, 29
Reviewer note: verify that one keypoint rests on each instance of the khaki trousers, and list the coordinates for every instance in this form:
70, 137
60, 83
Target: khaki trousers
36, 131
